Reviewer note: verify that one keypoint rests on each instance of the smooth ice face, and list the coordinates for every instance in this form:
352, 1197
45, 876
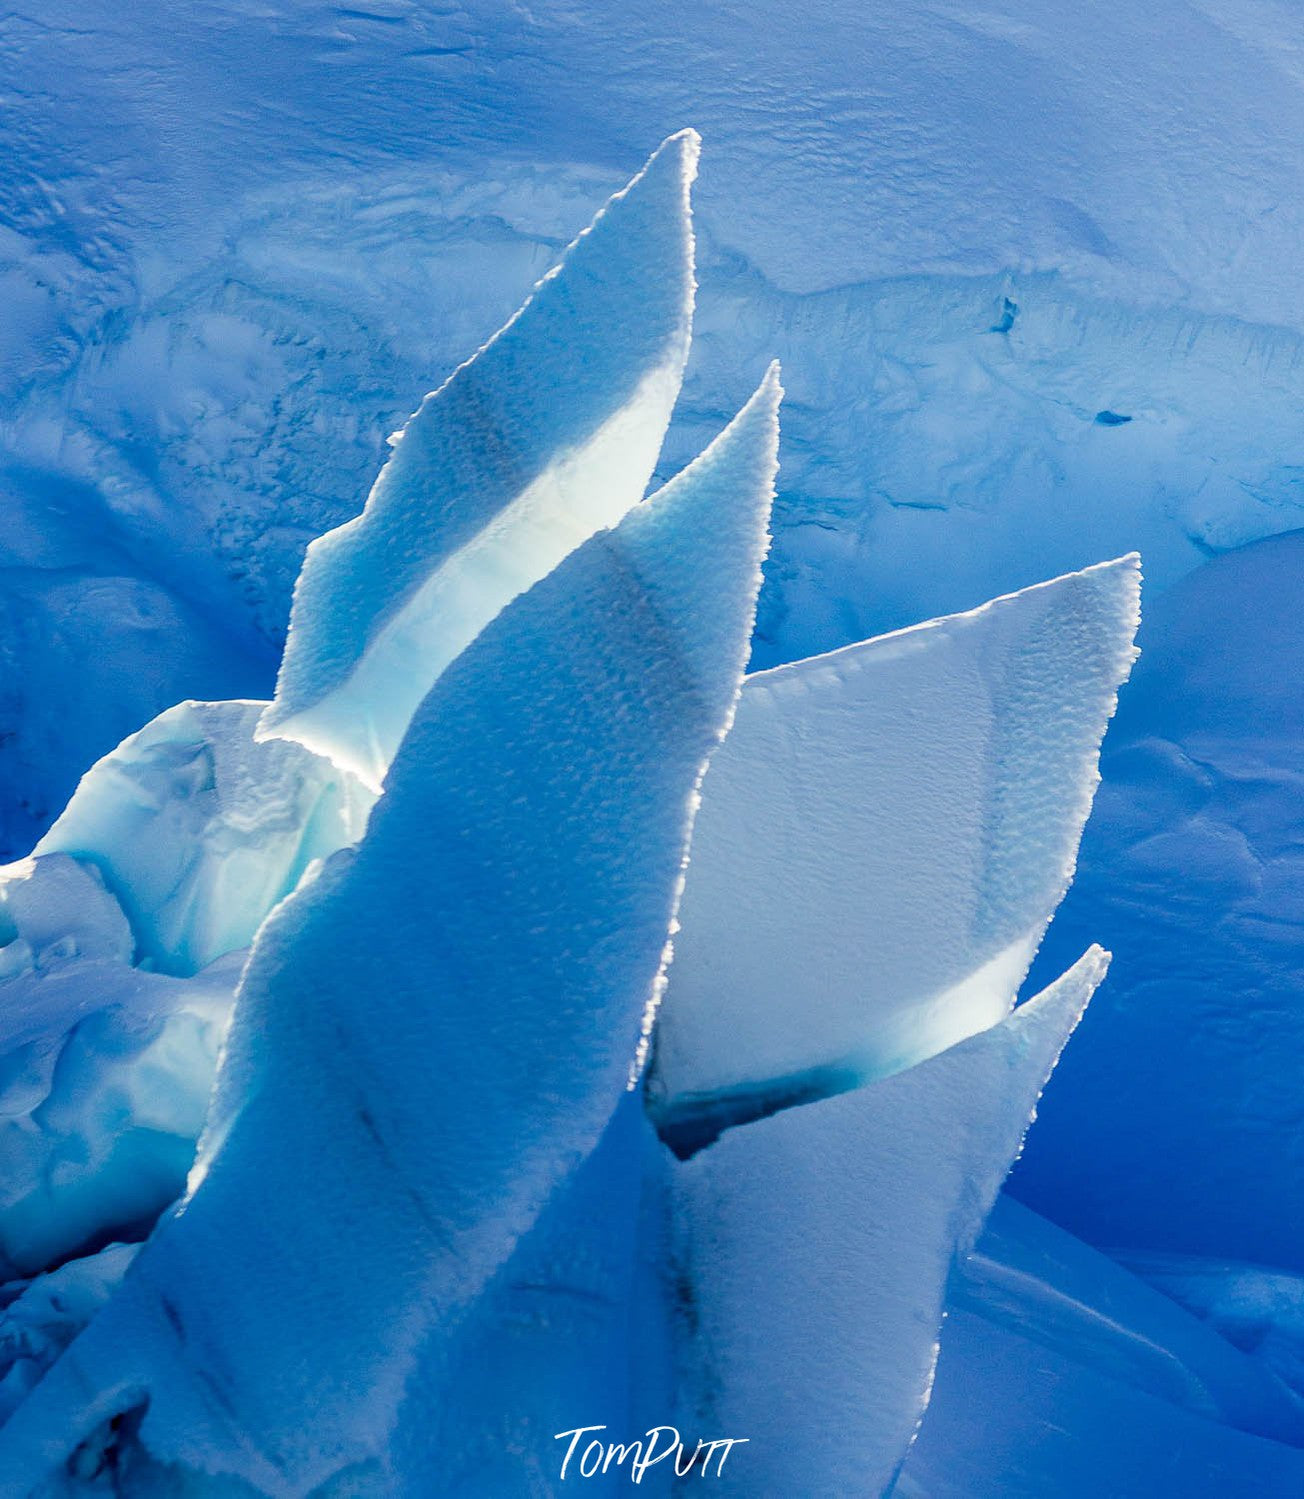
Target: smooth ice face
434, 1032
882, 840
545, 436
816, 1247
198, 830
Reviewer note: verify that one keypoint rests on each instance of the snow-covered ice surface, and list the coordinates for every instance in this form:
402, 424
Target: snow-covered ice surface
490, 936
883, 838
240, 250
1174, 1125
816, 1246
199, 830
548, 434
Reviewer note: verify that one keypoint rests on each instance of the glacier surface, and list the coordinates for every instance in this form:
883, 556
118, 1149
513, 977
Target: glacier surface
211, 327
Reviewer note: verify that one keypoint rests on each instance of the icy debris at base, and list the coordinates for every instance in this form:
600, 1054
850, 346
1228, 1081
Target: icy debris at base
545, 436
105, 1076
199, 830
1032, 1278
39, 1318
1010, 1417
883, 838
862, 1204
433, 1033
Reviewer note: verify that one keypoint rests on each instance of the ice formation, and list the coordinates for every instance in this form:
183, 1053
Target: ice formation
883, 839
199, 830
431, 1222
443, 1020
539, 440
105, 1071
43, 1315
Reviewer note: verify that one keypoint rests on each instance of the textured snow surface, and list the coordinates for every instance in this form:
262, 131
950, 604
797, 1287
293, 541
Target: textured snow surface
548, 434
883, 838
816, 1247
199, 831
1174, 1125
491, 931
216, 309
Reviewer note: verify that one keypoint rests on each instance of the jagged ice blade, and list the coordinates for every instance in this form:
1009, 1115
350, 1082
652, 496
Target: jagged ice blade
882, 841
434, 1033
548, 434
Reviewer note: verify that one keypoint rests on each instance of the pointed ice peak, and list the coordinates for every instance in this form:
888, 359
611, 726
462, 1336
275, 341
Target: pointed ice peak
548, 434
883, 838
716, 511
